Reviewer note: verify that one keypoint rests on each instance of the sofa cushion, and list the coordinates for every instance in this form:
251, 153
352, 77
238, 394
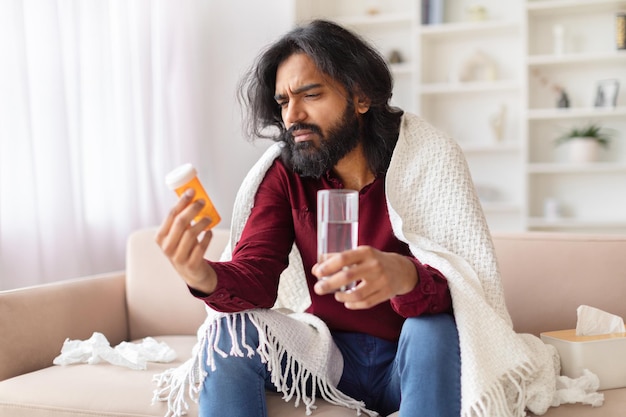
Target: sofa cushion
614, 406
87, 390
108, 390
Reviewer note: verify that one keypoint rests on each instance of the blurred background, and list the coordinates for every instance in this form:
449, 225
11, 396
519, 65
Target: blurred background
99, 99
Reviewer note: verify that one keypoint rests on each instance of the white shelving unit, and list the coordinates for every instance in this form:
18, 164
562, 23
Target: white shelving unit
463, 76
469, 72
591, 197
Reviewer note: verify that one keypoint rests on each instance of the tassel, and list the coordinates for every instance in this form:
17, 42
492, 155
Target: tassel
189, 377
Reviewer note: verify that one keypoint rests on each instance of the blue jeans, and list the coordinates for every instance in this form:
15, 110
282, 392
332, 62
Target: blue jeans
420, 375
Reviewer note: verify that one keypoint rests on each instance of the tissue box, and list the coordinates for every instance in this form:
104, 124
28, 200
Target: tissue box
604, 355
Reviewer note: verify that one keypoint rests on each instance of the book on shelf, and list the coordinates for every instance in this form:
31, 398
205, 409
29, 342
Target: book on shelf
432, 12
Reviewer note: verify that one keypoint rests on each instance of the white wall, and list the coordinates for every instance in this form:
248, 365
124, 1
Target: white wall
234, 33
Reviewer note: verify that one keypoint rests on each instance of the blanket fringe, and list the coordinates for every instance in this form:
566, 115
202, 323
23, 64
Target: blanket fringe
174, 385
498, 401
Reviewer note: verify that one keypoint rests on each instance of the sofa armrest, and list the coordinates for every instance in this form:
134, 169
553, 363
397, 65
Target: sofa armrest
35, 321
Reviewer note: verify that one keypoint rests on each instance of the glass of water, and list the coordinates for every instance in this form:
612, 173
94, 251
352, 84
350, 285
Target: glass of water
337, 223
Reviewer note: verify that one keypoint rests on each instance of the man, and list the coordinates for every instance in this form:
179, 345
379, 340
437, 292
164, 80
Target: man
323, 94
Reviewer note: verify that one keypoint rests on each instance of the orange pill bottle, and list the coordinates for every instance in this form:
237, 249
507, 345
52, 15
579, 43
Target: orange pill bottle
185, 177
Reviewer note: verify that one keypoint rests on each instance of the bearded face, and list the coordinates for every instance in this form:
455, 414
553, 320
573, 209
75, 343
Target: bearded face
315, 158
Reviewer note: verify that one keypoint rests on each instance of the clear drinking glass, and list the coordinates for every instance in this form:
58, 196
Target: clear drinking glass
337, 223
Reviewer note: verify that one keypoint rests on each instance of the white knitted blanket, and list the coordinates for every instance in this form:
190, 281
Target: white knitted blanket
434, 208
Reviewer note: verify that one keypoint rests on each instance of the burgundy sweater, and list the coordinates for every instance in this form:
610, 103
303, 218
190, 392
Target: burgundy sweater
284, 212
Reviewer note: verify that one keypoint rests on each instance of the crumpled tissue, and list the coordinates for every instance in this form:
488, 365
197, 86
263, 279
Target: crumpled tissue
97, 349
578, 390
592, 321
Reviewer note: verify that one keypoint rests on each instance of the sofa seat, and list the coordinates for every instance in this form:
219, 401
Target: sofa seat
99, 390
108, 390
614, 406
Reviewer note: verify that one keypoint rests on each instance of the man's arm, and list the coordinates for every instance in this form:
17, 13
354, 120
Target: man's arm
250, 278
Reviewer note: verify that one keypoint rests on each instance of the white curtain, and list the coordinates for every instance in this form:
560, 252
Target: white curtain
95, 103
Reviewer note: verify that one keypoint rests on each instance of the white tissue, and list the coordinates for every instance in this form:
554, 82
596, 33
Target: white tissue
579, 390
592, 321
98, 349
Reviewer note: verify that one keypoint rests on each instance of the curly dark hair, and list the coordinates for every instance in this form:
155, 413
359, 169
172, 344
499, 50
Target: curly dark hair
346, 58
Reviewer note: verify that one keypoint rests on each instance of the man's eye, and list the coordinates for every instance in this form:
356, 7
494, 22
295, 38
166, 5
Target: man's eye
312, 95
283, 104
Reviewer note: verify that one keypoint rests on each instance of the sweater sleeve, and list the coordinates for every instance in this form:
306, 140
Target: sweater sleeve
250, 279
431, 295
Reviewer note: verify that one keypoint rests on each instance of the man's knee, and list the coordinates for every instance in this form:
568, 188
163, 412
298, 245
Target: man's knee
429, 342
429, 332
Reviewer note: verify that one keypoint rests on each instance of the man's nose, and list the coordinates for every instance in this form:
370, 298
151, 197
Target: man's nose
293, 113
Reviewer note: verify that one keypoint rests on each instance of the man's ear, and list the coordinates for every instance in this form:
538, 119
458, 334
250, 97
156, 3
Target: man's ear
362, 102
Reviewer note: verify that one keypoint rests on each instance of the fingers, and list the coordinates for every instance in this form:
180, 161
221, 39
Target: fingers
177, 227
185, 242
335, 262
197, 254
165, 227
371, 289
366, 295
376, 272
188, 244
341, 269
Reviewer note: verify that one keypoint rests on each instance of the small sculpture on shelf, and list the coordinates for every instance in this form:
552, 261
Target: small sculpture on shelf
552, 209
372, 7
477, 13
395, 57
562, 100
478, 67
497, 122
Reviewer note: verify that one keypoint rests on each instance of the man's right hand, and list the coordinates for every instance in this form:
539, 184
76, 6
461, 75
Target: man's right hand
179, 240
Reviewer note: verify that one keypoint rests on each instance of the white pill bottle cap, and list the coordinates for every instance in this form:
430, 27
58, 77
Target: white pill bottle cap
180, 176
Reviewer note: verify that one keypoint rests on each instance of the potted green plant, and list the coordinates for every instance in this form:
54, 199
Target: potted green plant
584, 142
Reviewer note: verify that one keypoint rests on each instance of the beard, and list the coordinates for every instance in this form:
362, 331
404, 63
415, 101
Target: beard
310, 160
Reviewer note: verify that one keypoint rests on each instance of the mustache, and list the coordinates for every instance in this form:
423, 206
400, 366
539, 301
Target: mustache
303, 126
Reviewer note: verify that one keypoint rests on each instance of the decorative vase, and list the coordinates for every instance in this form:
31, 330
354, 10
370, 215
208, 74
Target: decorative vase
583, 150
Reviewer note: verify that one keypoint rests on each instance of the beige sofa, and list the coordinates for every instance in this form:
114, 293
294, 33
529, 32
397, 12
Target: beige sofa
546, 276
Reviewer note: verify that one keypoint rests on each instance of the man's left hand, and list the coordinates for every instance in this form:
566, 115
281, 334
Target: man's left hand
380, 276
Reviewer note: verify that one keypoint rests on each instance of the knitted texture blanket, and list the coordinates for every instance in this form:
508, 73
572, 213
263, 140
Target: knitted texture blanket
434, 208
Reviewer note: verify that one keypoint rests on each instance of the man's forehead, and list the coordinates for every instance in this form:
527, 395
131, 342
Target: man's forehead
299, 73
297, 68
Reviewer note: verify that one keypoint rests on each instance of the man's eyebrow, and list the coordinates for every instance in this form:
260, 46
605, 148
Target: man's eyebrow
299, 90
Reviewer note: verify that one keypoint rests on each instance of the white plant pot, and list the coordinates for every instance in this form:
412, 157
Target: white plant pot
582, 150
